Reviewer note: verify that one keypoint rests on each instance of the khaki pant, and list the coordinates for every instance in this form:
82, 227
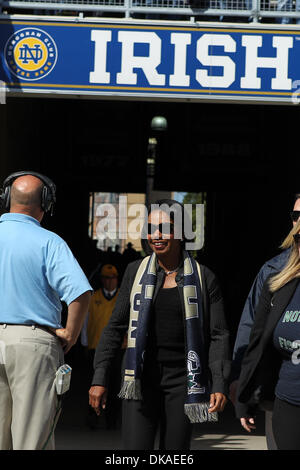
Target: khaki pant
29, 408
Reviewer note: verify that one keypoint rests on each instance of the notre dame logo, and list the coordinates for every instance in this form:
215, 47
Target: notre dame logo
30, 54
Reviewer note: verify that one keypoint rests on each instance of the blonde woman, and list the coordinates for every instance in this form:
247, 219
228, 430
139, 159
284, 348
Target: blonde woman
270, 375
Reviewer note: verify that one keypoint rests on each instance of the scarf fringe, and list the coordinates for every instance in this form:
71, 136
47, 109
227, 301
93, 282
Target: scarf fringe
198, 413
131, 390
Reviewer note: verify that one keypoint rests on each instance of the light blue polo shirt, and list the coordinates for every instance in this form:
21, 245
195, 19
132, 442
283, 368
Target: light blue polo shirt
37, 272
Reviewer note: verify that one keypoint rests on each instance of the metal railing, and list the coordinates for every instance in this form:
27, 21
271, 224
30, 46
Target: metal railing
280, 11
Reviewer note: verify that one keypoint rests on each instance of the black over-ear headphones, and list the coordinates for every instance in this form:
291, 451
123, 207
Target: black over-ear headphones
48, 191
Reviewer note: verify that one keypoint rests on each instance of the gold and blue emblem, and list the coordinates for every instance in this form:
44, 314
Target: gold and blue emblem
30, 54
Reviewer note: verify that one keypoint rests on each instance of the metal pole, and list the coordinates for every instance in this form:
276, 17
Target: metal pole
255, 10
127, 5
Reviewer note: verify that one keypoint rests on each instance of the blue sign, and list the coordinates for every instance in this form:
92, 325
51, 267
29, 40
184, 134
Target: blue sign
118, 58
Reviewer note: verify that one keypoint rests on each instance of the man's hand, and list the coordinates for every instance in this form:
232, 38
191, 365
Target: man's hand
97, 398
65, 338
248, 424
77, 311
217, 402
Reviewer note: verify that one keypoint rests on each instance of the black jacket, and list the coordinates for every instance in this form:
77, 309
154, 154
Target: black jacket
216, 333
272, 266
261, 362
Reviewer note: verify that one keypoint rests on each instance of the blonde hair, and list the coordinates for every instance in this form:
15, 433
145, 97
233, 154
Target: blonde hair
292, 268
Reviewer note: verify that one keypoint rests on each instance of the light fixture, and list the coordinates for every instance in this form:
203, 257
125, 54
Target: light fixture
159, 123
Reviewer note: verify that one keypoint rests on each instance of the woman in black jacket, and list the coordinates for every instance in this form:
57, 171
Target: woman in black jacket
270, 374
177, 360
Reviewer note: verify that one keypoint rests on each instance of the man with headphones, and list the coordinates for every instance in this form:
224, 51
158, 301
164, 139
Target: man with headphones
37, 272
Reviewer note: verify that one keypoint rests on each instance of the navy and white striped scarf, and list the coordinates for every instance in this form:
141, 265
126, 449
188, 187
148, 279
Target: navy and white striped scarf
198, 394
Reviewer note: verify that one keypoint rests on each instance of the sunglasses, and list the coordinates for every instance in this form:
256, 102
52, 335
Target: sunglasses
164, 228
297, 238
295, 216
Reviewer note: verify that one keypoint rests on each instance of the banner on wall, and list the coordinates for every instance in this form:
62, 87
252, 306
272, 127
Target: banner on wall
122, 59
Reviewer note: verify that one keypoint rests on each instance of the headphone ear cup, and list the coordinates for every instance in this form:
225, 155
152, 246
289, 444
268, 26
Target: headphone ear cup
46, 199
2, 201
6, 197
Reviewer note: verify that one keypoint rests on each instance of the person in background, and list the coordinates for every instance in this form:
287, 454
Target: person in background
272, 266
166, 301
101, 306
270, 372
37, 272
129, 254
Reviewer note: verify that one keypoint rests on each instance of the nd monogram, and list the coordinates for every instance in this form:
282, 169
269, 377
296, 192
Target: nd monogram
30, 54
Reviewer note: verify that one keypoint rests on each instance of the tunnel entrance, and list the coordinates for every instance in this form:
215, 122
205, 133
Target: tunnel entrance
243, 157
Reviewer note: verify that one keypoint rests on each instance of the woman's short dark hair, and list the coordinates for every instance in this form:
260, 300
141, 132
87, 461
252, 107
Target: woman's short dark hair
176, 212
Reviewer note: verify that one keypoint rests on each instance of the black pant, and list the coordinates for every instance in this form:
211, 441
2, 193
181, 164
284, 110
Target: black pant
286, 425
164, 394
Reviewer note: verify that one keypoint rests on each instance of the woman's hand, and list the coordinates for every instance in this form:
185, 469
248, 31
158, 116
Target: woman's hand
248, 424
97, 398
217, 402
